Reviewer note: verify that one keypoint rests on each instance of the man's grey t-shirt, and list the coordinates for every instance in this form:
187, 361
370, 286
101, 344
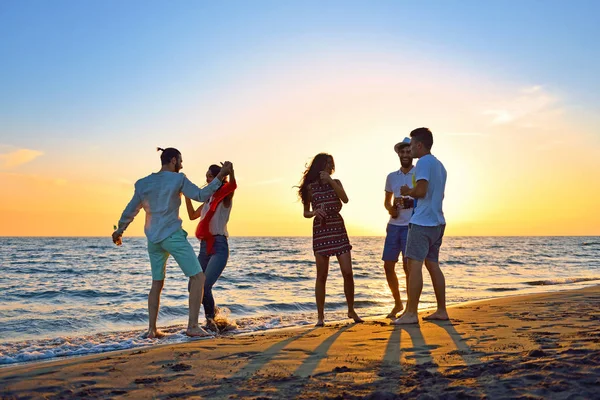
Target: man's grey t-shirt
429, 209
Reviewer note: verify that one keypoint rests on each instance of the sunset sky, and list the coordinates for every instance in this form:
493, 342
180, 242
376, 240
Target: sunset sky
510, 89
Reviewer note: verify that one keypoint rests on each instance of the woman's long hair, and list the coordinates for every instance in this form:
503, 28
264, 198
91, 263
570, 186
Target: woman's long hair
311, 174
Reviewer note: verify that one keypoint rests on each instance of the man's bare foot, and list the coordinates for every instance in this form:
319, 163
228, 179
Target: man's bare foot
320, 322
406, 319
154, 334
353, 315
397, 308
437, 316
197, 332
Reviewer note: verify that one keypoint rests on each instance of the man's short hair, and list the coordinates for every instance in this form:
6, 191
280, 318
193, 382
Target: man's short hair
168, 154
424, 136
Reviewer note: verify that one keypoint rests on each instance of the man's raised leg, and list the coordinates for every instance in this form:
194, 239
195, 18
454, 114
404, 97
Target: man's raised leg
439, 287
153, 306
415, 286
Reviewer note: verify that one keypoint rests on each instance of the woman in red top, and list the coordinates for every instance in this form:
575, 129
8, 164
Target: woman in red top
325, 195
212, 233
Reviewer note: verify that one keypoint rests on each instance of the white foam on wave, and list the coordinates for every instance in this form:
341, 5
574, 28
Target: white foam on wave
70, 346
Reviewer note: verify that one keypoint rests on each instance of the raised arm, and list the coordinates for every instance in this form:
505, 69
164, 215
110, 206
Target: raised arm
203, 194
229, 199
193, 192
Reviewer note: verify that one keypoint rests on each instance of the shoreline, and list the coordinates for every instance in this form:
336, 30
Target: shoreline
258, 331
538, 345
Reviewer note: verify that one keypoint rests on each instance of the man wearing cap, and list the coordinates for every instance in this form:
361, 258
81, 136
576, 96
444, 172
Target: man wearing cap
400, 209
426, 228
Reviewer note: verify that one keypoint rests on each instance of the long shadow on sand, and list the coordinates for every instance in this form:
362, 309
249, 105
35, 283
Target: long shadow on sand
266, 356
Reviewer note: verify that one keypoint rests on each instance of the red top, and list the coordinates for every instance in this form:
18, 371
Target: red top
203, 229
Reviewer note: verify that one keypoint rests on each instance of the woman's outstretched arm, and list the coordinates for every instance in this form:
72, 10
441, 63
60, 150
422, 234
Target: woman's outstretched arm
193, 214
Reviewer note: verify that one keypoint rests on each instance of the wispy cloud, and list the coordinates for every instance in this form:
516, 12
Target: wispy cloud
529, 102
11, 157
34, 178
500, 116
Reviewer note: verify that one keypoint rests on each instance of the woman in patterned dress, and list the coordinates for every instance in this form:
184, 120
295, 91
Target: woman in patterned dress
325, 195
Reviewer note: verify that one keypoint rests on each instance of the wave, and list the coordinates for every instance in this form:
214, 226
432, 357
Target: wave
289, 306
67, 346
454, 262
514, 262
590, 244
561, 281
501, 289
279, 277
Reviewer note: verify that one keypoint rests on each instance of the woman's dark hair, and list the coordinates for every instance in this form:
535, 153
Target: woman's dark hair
168, 154
214, 171
311, 174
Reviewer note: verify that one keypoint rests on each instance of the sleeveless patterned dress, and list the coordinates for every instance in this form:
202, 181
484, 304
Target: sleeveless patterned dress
329, 235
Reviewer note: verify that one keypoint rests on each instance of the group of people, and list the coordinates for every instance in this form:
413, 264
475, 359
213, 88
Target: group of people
413, 198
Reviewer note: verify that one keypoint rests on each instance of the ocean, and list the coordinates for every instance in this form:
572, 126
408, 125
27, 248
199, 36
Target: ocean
65, 297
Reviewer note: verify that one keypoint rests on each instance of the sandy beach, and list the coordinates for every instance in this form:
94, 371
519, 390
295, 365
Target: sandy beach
534, 346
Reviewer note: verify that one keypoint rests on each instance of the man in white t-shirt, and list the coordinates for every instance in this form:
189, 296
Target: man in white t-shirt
159, 194
426, 228
400, 209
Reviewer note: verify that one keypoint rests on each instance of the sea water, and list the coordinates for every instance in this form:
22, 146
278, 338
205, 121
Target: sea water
74, 296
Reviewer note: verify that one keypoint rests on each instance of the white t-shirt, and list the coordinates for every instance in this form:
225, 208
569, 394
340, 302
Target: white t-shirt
395, 180
429, 209
218, 223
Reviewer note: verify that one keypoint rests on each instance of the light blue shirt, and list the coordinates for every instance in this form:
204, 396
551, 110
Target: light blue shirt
159, 194
429, 209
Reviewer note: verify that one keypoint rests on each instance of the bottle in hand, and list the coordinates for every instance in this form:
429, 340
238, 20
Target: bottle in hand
119, 240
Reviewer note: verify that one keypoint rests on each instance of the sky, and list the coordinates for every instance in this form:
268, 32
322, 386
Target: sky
510, 90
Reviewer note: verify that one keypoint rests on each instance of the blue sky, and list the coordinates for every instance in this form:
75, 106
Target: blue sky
103, 62
88, 89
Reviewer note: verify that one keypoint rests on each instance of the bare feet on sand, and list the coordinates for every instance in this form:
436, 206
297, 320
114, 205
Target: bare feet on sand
154, 334
196, 332
353, 315
320, 322
397, 308
406, 319
437, 316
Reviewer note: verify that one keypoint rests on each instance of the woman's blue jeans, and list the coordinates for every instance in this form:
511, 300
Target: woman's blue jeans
212, 265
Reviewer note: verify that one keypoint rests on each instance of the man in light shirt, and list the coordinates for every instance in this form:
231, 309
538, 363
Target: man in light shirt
159, 194
400, 209
426, 228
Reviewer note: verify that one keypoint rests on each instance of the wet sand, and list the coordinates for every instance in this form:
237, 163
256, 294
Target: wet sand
534, 346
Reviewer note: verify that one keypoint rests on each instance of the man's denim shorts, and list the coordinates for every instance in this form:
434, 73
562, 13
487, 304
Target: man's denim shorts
395, 242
